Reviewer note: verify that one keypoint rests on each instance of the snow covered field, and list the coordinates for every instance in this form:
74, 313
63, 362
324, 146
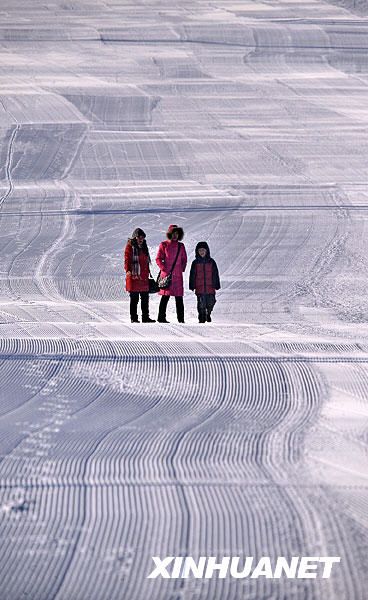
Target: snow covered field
245, 122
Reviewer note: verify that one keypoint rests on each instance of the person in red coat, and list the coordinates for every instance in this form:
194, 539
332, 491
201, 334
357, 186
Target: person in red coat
165, 259
204, 280
136, 265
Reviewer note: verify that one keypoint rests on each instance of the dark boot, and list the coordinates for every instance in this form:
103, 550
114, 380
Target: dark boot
162, 309
210, 300
134, 299
145, 308
179, 308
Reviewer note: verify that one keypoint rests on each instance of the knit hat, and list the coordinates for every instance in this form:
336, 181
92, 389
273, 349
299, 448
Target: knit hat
138, 231
173, 228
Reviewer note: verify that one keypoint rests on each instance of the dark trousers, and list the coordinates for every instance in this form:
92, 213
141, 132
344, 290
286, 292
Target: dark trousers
179, 308
205, 304
134, 299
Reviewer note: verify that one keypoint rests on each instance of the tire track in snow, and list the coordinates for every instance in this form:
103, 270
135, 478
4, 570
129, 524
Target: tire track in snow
9, 158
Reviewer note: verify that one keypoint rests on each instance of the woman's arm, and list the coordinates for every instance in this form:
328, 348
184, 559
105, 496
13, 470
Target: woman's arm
160, 258
184, 258
128, 258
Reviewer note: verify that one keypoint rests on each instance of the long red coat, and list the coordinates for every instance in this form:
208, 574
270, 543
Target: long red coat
165, 258
140, 283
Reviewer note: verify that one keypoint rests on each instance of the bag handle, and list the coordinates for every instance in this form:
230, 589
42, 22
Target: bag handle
176, 258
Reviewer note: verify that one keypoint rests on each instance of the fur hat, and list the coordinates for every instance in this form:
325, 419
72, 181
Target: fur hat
138, 231
202, 245
173, 228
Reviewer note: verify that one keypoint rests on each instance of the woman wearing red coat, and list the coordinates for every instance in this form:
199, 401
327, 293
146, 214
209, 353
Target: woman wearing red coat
136, 264
165, 259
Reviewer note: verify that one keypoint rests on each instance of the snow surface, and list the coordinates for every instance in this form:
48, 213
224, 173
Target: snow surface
246, 122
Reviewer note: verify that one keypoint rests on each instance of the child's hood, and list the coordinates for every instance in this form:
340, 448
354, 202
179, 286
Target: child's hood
202, 245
